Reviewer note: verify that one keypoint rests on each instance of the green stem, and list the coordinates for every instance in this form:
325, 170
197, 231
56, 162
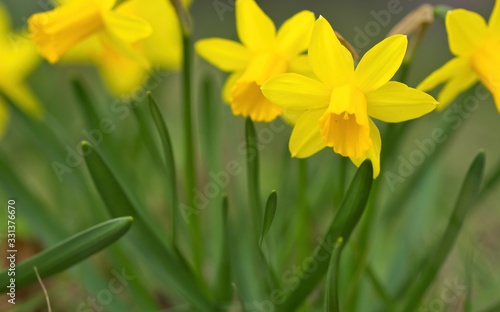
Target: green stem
367, 223
169, 168
190, 172
304, 213
379, 289
332, 303
464, 204
339, 189
252, 157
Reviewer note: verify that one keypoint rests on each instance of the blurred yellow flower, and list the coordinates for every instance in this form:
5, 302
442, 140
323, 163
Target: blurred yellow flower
55, 32
18, 60
476, 46
151, 39
336, 107
161, 50
262, 54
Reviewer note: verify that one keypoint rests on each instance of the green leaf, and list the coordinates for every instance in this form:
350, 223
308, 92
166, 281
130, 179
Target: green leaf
495, 308
491, 182
340, 167
252, 158
465, 202
379, 289
68, 252
40, 219
468, 302
168, 154
208, 116
332, 279
146, 131
224, 292
86, 106
346, 219
174, 268
189, 149
272, 202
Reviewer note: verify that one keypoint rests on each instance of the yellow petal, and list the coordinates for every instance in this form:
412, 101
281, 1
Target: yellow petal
86, 51
228, 86
22, 96
486, 64
55, 32
164, 46
264, 66
296, 92
295, 34
122, 75
225, 54
247, 100
4, 117
330, 61
466, 30
291, 116
18, 60
459, 83
110, 41
380, 63
396, 102
127, 28
306, 139
255, 29
373, 153
446, 72
494, 22
300, 65
496, 96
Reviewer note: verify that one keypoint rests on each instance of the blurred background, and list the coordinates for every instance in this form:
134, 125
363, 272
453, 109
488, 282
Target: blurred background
404, 231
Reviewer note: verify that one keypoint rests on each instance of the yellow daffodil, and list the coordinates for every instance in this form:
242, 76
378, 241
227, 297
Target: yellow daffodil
476, 47
336, 107
161, 50
57, 31
263, 53
18, 60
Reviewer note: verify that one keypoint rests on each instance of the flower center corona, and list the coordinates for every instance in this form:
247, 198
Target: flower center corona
345, 124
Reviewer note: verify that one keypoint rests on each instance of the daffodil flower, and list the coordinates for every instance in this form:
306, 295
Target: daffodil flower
476, 47
336, 107
55, 32
18, 60
262, 54
162, 50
